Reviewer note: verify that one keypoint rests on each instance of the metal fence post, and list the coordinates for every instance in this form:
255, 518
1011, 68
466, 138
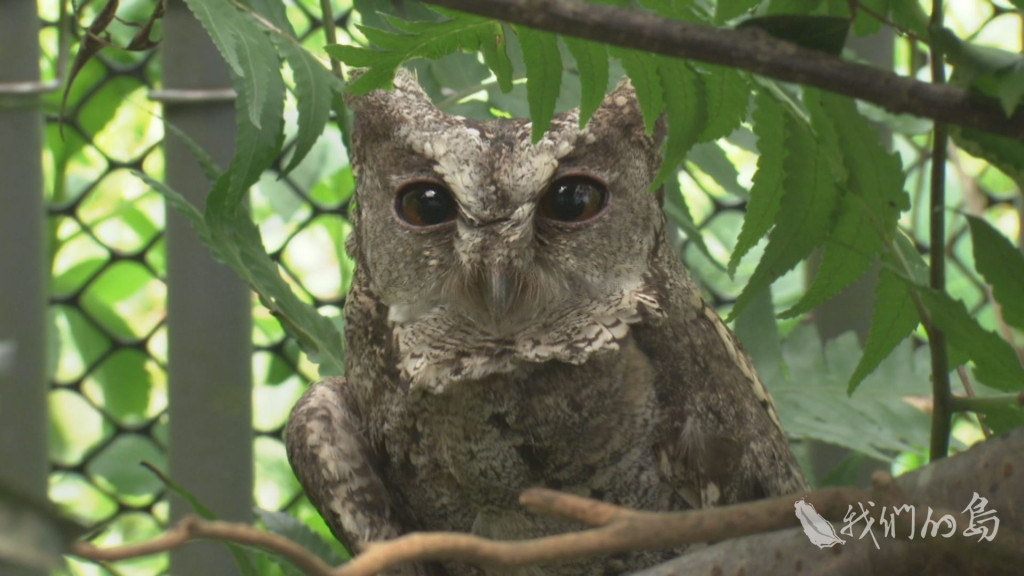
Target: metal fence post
209, 308
23, 263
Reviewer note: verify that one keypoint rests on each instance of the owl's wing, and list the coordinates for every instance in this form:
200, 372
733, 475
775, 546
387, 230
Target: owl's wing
339, 473
722, 441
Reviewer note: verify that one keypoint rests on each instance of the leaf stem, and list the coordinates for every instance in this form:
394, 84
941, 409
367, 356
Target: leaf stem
340, 110
457, 97
985, 403
961, 371
942, 413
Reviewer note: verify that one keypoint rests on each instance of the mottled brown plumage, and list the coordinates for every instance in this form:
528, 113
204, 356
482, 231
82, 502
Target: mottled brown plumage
503, 349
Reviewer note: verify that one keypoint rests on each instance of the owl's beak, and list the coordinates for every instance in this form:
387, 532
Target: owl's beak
501, 292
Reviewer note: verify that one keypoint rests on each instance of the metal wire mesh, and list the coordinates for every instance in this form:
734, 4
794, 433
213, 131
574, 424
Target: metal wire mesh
109, 392
108, 400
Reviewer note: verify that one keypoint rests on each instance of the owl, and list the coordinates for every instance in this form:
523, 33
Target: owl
518, 318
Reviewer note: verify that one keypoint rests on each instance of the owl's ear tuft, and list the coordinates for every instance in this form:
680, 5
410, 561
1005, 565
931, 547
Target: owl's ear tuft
405, 94
620, 113
380, 113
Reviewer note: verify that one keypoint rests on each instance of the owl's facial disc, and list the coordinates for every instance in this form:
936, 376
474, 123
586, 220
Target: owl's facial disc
493, 280
516, 283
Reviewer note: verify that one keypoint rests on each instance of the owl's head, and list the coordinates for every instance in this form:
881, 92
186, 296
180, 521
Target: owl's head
471, 220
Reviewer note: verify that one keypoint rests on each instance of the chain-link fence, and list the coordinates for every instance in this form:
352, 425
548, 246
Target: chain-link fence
108, 307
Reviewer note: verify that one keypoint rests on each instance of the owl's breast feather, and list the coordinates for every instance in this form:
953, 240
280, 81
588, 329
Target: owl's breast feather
440, 348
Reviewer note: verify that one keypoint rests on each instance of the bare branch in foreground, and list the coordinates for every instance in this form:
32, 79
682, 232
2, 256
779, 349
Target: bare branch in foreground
192, 528
750, 540
755, 51
619, 530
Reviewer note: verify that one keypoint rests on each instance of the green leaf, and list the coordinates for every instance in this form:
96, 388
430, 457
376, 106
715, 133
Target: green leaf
243, 561
685, 108
1000, 417
1006, 154
1002, 265
848, 472
679, 214
907, 261
592, 64
543, 76
210, 168
185, 208
996, 73
996, 363
316, 334
909, 17
822, 33
234, 240
758, 330
425, 39
710, 158
770, 127
870, 206
315, 87
806, 212
877, 421
894, 319
727, 99
496, 56
274, 11
256, 148
867, 13
248, 52
256, 75
1002, 420
643, 71
793, 6
726, 10
286, 525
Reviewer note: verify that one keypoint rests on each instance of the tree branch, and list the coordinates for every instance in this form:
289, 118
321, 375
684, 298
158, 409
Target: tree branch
753, 50
745, 531
620, 530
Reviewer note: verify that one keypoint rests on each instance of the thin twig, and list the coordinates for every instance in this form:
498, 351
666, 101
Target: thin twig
263, 21
753, 50
457, 97
194, 528
979, 403
961, 371
881, 18
330, 32
942, 414
340, 110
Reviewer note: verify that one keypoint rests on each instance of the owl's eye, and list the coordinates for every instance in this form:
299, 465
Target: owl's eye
573, 199
425, 204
